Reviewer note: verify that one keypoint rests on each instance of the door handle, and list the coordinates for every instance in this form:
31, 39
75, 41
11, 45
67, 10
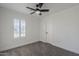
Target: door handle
46, 32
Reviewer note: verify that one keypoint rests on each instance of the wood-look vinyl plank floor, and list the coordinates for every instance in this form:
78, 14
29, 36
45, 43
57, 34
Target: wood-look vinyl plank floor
38, 49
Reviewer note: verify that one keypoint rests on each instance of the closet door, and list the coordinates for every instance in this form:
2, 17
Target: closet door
43, 31
46, 30
49, 30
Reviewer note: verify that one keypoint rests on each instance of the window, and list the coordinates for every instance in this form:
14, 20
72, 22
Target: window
22, 28
19, 28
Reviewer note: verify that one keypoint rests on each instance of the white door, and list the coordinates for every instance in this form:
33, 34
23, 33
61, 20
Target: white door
47, 30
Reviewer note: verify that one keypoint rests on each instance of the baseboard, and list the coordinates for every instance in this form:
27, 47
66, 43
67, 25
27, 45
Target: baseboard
17, 46
63, 48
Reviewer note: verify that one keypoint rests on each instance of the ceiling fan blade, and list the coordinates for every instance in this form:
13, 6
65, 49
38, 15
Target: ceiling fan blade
31, 8
44, 10
32, 13
40, 5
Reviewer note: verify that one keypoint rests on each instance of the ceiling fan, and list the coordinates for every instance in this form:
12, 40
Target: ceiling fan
38, 9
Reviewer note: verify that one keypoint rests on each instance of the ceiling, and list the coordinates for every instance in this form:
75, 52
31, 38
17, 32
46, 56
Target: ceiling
54, 7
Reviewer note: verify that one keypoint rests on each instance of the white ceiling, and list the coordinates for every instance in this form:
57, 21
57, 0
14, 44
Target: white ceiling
54, 7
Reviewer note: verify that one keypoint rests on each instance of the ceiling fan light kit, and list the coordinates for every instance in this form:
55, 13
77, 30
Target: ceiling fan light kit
37, 12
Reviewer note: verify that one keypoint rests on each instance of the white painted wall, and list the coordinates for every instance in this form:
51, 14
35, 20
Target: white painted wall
63, 29
7, 40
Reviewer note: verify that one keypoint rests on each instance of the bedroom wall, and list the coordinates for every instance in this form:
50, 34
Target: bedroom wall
62, 28
7, 40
